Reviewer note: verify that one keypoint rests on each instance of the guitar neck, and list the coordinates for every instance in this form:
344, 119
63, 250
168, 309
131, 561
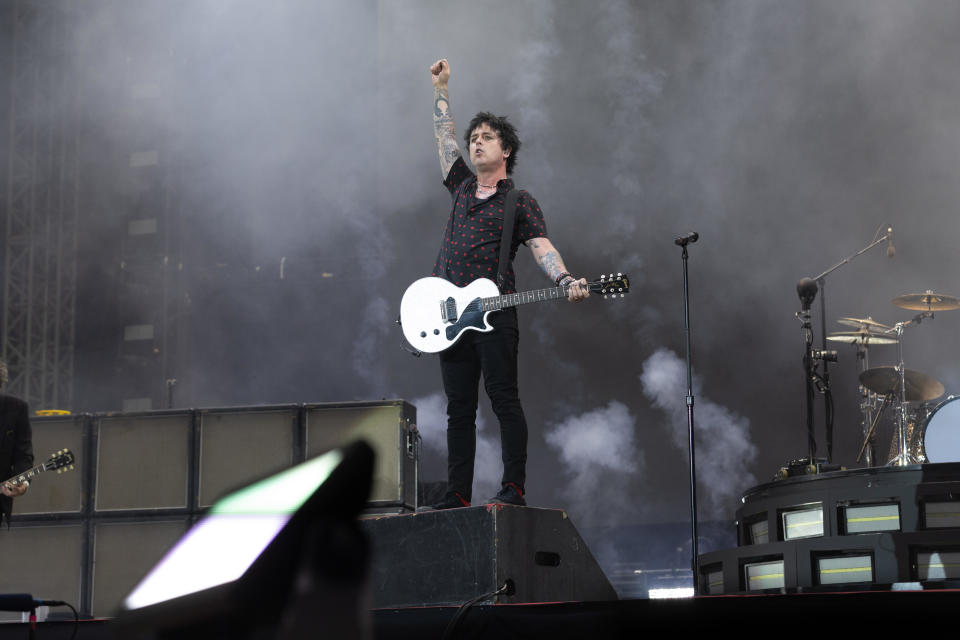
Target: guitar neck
526, 297
26, 475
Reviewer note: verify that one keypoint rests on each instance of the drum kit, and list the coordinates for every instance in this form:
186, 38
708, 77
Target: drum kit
926, 430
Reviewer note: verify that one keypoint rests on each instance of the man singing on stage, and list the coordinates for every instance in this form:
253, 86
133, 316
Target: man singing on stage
470, 250
16, 446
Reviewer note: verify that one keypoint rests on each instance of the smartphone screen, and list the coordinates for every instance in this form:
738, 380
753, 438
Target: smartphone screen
231, 536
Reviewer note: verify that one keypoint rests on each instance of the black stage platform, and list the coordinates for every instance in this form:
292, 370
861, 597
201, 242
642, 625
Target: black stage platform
848, 529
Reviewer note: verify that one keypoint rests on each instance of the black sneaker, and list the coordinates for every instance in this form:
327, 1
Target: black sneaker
509, 494
450, 501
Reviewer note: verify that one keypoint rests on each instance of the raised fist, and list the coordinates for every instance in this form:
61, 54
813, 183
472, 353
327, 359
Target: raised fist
441, 72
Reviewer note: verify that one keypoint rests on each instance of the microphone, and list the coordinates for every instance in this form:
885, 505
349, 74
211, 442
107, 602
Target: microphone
891, 251
17, 602
826, 356
682, 241
807, 290
24, 602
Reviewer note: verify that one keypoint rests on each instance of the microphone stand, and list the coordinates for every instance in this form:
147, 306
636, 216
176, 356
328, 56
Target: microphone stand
807, 290
824, 380
682, 242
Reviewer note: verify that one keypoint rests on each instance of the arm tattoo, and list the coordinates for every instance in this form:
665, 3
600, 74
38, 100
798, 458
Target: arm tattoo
444, 130
552, 264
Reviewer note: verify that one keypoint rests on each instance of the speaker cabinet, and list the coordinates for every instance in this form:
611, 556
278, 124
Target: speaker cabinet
54, 492
45, 561
389, 427
238, 446
123, 552
142, 461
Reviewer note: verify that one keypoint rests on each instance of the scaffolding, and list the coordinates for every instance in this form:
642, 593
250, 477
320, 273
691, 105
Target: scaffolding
40, 242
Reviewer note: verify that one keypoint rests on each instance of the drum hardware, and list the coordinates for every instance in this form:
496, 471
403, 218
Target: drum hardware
939, 436
887, 380
868, 323
864, 337
803, 467
868, 333
807, 290
908, 386
868, 436
927, 301
868, 405
916, 418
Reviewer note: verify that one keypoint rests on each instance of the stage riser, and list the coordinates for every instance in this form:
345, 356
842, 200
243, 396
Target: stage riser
449, 557
842, 529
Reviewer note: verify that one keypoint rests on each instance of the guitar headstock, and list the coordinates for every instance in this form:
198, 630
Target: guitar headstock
611, 285
62, 461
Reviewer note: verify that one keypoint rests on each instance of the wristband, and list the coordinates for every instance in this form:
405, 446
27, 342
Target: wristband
562, 276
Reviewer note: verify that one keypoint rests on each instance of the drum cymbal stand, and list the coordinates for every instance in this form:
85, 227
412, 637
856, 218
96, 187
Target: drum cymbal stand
869, 430
869, 425
904, 458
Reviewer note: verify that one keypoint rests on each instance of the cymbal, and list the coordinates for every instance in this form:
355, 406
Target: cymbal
927, 301
884, 380
864, 322
865, 337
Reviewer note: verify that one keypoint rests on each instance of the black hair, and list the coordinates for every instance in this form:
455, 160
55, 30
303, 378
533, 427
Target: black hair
505, 130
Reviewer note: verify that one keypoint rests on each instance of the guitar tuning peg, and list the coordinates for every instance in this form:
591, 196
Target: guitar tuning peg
622, 295
619, 275
71, 467
59, 471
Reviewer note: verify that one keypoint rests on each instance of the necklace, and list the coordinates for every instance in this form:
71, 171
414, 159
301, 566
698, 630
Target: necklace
486, 186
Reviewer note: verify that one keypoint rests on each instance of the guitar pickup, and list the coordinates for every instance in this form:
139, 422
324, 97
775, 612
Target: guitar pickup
448, 309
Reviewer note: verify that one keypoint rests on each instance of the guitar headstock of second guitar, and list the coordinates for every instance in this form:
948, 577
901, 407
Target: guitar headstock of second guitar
611, 286
62, 461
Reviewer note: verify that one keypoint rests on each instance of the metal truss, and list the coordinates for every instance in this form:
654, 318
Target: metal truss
40, 244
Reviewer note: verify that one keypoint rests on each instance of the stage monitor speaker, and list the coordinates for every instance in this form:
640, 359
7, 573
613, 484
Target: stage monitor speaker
452, 556
43, 561
390, 428
123, 552
53, 492
238, 446
142, 461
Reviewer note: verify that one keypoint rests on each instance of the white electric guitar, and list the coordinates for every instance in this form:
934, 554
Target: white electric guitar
434, 313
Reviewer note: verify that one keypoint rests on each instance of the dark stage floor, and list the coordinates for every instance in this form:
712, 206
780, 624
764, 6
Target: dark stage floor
821, 614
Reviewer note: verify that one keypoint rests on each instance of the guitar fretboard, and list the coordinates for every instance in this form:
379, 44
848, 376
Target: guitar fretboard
514, 299
26, 475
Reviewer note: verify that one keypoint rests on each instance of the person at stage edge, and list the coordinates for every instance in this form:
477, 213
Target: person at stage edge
16, 446
470, 250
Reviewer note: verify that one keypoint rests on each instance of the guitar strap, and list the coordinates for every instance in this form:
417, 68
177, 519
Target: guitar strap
506, 240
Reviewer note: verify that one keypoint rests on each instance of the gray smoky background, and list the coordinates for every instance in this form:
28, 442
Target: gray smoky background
292, 146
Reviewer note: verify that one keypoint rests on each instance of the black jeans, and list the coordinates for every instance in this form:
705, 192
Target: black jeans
493, 354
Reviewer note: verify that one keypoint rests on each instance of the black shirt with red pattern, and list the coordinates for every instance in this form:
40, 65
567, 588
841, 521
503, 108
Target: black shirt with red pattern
471, 241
